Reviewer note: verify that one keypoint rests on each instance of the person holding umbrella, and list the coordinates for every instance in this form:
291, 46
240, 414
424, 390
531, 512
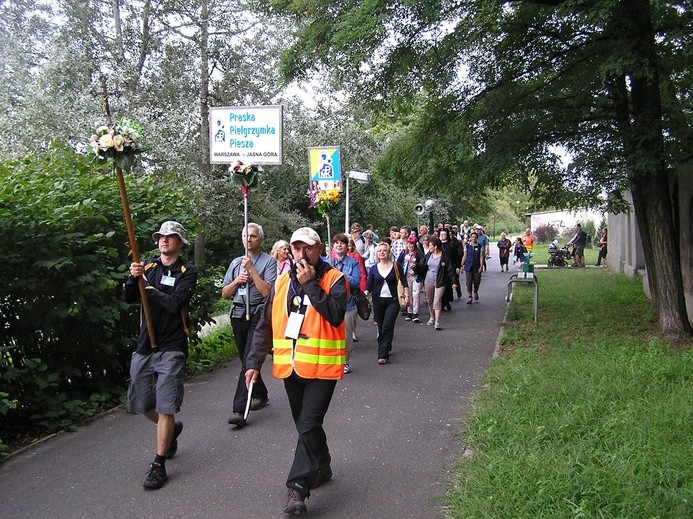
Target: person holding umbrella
303, 323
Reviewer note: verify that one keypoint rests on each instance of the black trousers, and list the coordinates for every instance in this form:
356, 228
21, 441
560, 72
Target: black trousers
243, 335
473, 280
385, 312
309, 400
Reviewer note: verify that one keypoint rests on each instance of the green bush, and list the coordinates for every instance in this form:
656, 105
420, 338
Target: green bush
65, 331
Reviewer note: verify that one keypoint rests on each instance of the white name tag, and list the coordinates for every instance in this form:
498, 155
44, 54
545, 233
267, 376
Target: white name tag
293, 325
169, 281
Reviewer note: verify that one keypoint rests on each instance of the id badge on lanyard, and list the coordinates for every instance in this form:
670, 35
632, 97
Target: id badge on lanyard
168, 280
293, 325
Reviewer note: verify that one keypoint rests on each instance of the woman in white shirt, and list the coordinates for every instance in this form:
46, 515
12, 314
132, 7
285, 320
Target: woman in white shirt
383, 278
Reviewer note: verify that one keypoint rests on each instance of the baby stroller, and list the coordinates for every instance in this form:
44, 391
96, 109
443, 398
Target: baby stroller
558, 257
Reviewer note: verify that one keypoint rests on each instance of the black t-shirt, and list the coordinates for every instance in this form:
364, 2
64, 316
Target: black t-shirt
169, 290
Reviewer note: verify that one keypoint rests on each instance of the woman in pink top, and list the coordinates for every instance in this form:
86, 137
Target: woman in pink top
280, 252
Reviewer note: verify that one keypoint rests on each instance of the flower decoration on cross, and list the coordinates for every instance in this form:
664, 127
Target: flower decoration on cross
245, 174
324, 201
119, 142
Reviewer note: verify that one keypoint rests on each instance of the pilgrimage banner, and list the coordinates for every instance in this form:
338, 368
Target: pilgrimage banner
325, 168
246, 133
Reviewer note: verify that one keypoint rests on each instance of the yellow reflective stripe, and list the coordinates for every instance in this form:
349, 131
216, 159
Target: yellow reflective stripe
282, 351
318, 359
282, 359
322, 343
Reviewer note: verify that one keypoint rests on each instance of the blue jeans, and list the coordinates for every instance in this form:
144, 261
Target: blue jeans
385, 312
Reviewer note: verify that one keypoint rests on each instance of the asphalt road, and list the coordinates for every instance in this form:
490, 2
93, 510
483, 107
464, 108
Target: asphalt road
393, 433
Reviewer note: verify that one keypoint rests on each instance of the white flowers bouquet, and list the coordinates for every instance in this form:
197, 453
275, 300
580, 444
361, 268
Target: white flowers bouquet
245, 174
120, 142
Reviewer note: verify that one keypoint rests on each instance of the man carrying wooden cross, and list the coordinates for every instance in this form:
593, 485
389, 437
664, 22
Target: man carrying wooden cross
158, 367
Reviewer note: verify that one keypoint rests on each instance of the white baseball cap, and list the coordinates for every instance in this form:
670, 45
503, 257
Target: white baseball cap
305, 235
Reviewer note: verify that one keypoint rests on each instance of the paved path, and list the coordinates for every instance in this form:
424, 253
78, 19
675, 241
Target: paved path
393, 432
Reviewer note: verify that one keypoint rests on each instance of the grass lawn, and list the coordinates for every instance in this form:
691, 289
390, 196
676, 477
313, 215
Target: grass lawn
587, 414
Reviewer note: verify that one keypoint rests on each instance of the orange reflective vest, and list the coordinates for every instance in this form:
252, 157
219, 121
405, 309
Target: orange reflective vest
320, 350
529, 242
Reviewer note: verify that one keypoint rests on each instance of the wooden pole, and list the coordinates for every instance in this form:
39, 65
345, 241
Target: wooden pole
135, 253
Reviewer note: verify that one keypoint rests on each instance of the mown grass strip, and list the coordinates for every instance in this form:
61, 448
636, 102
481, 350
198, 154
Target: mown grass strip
586, 414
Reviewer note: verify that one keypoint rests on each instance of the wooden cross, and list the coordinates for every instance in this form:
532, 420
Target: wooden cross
134, 250
105, 93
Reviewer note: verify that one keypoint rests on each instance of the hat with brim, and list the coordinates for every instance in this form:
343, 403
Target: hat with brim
170, 228
305, 235
356, 227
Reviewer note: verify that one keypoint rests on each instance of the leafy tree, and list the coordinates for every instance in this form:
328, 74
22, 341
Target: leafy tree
500, 89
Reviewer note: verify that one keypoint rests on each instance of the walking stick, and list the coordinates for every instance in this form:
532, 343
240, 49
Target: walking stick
135, 253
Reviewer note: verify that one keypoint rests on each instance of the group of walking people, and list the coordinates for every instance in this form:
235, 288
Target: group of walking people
409, 265
297, 304
292, 303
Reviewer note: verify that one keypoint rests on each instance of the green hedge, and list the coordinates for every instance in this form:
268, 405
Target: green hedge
65, 333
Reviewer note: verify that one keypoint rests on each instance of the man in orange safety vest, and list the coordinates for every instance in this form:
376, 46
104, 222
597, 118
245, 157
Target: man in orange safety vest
303, 323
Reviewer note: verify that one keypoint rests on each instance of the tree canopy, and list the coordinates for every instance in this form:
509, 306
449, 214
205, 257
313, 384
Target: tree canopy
578, 100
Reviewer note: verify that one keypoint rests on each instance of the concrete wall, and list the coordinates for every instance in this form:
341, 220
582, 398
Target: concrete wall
686, 243
625, 247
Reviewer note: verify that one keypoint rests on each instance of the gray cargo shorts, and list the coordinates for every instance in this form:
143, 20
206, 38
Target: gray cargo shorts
156, 382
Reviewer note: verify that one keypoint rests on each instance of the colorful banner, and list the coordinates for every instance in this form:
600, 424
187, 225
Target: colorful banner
325, 168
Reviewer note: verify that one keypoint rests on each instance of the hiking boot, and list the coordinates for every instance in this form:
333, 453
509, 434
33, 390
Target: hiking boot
156, 477
295, 502
258, 403
237, 419
415, 318
173, 446
324, 475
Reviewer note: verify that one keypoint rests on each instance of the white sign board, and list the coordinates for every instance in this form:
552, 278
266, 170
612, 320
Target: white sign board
247, 133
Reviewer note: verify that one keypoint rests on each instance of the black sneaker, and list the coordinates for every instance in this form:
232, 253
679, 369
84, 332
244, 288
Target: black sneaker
156, 477
324, 475
258, 403
173, 446
295, 502
415, 318
237, 419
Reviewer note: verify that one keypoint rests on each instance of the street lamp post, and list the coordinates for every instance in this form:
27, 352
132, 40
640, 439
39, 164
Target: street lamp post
361, 178
429, 206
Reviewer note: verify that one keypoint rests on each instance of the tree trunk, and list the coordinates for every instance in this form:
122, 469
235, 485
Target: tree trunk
134, 82
200, 251
652, 200
204, 112
120, 54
